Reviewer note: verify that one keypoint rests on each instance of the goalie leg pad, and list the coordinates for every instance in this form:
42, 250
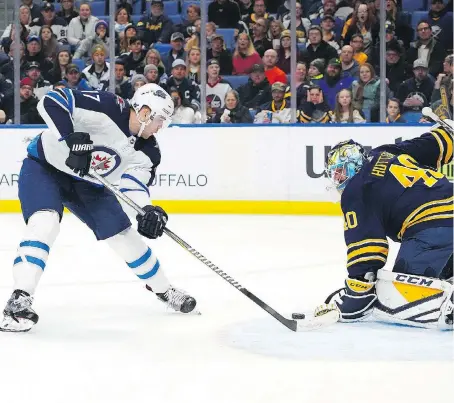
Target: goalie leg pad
414, 300
33, 251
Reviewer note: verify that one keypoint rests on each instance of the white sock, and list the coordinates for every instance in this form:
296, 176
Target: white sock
33, 251
140, 258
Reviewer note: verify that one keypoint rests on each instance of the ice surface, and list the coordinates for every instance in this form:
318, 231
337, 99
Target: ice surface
103, 338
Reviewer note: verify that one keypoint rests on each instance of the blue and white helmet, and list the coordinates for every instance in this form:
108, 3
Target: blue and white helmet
343, 162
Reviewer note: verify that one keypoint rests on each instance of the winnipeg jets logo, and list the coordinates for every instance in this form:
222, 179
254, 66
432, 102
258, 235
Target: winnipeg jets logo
101, 163
105, 160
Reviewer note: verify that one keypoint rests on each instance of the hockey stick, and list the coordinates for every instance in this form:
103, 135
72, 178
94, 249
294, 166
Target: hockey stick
328, 318
430, 114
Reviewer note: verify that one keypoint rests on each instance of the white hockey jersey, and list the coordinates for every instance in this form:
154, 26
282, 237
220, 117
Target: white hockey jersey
215, 95
125, 160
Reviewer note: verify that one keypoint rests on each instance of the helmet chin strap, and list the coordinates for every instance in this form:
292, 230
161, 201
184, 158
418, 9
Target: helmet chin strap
143, 124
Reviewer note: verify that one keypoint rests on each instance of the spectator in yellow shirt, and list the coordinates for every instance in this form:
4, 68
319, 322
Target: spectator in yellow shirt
357, 43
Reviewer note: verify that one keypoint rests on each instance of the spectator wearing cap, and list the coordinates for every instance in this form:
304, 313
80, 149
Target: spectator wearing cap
302, 24
183, 113
416, 92
48, 17
396, 69
58, 71
28, 103
284, 52
428, 48
189, 89
216, 88
259, 37
357, 43
233, 111
272, 72
74, 80
68, 11
329, 7
441, 23
318, 48
176, 52
97, 74
245, 55
157, 27
444, 79
7, 69
316, 70
391, 42
122, 82
101, 38
134, 60
333, 82
221, 54
393, 112
328, 34
314, 109
82, 27
151, 73
257, 90
35, 9
35, 54
350, 66
137, 81
278, 110
224, 13
41, 86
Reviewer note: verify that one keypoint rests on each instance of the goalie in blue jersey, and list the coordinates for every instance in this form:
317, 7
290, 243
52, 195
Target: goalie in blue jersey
397, 191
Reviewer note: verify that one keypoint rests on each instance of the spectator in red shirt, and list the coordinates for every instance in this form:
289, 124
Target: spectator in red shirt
273, 73
245, 55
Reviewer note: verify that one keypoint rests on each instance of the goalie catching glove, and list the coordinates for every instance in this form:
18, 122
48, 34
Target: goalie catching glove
152, 224
80, 149
356, 300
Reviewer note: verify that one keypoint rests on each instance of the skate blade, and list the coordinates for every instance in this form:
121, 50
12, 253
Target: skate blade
20, 325
317, 322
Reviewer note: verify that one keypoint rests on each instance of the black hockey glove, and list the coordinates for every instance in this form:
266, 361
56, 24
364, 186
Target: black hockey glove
80, 149
356, 300
152, 224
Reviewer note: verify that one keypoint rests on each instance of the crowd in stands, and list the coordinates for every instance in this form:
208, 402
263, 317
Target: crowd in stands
67, 44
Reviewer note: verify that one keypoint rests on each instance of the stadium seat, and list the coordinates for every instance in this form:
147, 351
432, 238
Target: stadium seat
176, 18
301, 47
136, 18
162, 48
229, 36
98, 7
413, 5
418, 16
412, 117
236, 81
79, 63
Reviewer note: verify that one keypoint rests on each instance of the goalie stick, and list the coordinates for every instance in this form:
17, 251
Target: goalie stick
328, 316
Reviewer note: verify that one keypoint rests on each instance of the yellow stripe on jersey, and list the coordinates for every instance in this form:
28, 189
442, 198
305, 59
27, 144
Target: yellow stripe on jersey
424, 210
368, 249
442, 149
364, 259
365, 241
434, 217
445, 143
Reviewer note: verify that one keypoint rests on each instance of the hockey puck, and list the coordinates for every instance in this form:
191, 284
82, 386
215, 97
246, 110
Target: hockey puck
298, 315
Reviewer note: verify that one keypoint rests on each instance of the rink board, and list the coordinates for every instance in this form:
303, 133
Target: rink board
261, 169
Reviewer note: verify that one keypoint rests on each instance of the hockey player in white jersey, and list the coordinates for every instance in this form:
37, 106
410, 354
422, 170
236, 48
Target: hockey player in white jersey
100, 130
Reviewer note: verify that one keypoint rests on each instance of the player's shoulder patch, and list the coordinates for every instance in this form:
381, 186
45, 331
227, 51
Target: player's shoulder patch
120, 102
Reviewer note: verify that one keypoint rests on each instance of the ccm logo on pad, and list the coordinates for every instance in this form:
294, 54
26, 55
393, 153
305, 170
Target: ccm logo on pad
403, 278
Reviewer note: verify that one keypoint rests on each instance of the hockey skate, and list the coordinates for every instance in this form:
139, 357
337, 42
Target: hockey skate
176, 299
18, 316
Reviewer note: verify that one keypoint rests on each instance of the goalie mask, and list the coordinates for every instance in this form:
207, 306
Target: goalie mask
160, 104
343, 162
